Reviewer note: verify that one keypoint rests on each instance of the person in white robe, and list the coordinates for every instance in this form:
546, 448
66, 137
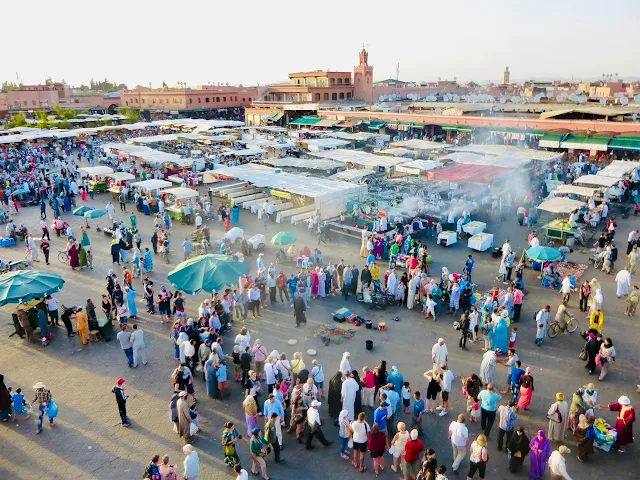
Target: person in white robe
439, 355
348, 395
392, 282
623, 283
345, 366
411, 294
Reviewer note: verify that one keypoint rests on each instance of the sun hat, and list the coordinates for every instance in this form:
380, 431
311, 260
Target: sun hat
560, 396
316, 404
564, 450
624, 400
39, 385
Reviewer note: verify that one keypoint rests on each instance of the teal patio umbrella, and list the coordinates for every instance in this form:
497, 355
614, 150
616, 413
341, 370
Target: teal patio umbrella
543, 254
207, 272
93, 214
80, 211
25, 285
283, 238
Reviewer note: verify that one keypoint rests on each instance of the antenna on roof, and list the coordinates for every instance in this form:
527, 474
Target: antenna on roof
398, 72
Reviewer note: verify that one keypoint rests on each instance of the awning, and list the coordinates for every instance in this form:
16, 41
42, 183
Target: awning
578, 142
417, 125
377, 124
305, 121
274, 117
485, 174
560, 205
625, 143
345, 124
461, 128
551, 140
326, 123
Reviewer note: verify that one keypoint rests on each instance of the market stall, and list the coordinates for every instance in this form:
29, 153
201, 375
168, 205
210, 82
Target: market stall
97, 177
484, 174
117, 181
180, 198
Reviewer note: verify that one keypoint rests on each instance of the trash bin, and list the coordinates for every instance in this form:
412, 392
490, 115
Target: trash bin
369, 344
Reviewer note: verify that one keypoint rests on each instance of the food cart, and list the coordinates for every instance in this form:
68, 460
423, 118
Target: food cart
480, 241
559, 229
118, 179
31, 308
97, 177
181, 197
447, 238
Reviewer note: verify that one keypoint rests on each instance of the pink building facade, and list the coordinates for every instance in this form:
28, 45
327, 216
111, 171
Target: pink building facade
205, 97
46, 97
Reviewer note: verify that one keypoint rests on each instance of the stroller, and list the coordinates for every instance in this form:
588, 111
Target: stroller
281, 256
596, 260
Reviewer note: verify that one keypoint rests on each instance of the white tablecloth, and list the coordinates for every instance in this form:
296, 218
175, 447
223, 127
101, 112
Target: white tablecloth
481, 241
473, 228
449, 236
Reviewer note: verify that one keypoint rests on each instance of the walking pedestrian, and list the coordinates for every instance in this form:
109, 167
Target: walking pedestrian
488, 406
45, 405
459, 438
124, 337
139, 346
121, 400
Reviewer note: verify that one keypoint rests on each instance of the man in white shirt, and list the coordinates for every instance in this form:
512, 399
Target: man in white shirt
565, 289
161, 207
241, 473
631, 241
543, 317
506, 248
110, 210
139, 347
446, 384
439, 355
557, 464
315, 430
459, 438
198, 220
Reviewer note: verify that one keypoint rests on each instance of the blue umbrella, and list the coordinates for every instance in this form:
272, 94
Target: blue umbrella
25, 285
543, 254
95, 213
80, 211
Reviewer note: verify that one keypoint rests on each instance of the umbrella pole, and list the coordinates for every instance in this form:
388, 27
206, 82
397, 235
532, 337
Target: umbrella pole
86, 220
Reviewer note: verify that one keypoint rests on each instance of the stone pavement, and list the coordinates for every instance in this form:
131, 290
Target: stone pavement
88, 442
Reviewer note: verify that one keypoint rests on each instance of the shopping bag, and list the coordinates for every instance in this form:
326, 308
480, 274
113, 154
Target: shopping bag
193, 429
52, 409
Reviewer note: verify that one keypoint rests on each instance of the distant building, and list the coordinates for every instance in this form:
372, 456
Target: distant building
200, 99
363, 78
608, 90
46, 97
4, 104
506, 76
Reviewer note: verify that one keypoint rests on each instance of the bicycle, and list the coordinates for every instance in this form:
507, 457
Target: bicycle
63, 256
571, 325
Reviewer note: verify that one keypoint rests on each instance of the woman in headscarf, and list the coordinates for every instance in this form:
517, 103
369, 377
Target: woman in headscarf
184, 417
131, 295
345, 366
82, 257
74, 256
396, 378
592, 347
500, 336
607, 355
507, 302
357, 405
250, 413
148, 260
84, 240
173, 408
343, 424
411, 292
519, 448
315, 282
380, 376
404, 280
526, 390
558, 416
624, 422
333, 395
5, 401
392, 282
454, 298
540, 453
436, 294
592, 303
210, 374
473, 385
488, 367
632, 259
322, 279
585, 444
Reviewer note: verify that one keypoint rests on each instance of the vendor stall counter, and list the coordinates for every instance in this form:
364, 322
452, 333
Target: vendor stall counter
447, 238
481, 241
475, 227
558, 230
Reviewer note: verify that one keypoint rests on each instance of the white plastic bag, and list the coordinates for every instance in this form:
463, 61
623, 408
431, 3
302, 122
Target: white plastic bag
193, 429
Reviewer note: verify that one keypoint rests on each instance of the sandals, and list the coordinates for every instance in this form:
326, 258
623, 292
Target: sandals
355, 465
363, 469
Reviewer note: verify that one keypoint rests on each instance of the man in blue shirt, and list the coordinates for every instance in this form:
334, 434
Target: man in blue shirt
416, 416
292, 283
273, 405
516, 373
506, 422
488, 404
380, 416
469, 265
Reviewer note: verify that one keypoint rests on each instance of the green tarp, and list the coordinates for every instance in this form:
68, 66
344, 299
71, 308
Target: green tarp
305, 121
625, 143
461, 128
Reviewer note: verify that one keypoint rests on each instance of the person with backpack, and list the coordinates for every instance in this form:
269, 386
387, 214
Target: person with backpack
152, 472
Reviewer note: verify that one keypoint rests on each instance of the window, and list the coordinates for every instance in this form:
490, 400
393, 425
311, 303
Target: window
24, 102
199, 100
160, 101
217, 99
236, 99
154, 100
347, 81
124, 102
34, 102
326, 96
143, 100
191, 100
249, 98
348, 94
334, 96
341, 95
332, 81
317, 96
224, 99
206, 100
243, 99
339, 81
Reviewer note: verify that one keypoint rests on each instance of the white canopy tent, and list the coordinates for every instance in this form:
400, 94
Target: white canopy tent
574, 190
121, 176
531, 154
358, 157
560, 205
398, 152
596, 180
329, 196
245, 152
317, 144
416, 144
618, 169
353, 175
151, 184
310, 163
506, 161
417, 166
92, 171
181, 193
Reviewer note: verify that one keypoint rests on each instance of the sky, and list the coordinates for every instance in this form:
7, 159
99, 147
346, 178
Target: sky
255, 42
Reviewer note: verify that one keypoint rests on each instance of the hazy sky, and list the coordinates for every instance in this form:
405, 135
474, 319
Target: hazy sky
251, 41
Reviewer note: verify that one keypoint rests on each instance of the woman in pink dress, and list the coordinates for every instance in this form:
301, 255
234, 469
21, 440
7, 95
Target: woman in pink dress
74, 256
84, 194
526, 390
314, 282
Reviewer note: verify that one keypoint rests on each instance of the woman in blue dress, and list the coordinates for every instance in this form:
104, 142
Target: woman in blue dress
210, 376
55, 207
148, 260
508, 302
131, 302
167, 220
436, 294
397, 380
454, 301
67, 203
501, 336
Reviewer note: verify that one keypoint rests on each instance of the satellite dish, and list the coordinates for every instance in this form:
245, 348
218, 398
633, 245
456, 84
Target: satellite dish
634, 117
624, 100
559, 98
578, 92
573, 97
637, 98
522, 93
603, 101
381, 98
438, 110
503, 100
